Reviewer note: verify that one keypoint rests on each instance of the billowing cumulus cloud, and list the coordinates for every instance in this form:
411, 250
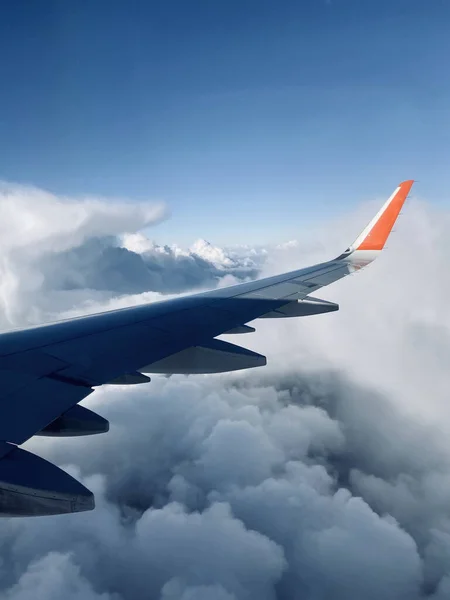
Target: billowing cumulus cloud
325, 475
36, 226
63, 254
51, 577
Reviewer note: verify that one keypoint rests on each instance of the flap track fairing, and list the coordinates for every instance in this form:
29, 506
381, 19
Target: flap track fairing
302, 308
77, 421
215, 356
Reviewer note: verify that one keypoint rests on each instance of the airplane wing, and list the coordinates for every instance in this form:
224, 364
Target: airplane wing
46, 371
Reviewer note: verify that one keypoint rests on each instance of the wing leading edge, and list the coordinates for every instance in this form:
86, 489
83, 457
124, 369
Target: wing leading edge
45, 371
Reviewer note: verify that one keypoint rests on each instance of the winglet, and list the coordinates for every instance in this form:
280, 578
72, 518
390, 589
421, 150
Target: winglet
371, 241
377, 231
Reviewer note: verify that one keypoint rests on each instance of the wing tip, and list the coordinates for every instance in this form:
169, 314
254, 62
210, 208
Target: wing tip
407, 183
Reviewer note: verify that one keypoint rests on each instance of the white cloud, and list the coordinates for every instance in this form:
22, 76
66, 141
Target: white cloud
63, 255
33, 218
36, 225
323, 476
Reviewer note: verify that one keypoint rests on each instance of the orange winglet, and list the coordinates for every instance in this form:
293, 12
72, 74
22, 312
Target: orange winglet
378, 234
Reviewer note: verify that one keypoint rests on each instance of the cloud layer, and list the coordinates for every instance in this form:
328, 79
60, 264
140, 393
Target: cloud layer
324, 476
60, 255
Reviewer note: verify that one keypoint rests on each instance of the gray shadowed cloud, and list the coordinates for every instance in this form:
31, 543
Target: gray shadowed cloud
225, 460
101, 264
60, 253
323, 476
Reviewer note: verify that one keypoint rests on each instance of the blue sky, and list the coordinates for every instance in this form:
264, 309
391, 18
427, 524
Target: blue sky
251, 118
